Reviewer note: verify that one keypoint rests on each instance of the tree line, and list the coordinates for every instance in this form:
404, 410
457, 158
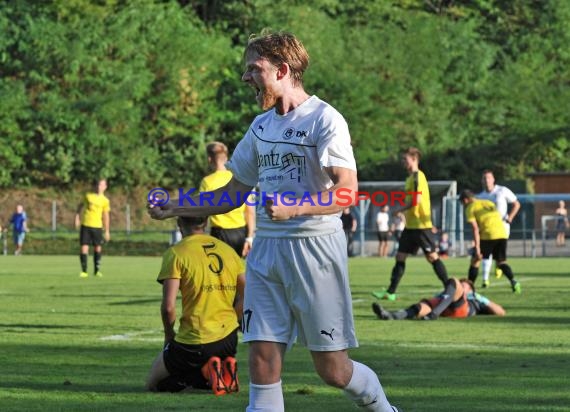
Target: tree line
133, 90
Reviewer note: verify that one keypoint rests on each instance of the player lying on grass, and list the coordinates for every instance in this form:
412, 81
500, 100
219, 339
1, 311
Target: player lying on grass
210, 276
458, 300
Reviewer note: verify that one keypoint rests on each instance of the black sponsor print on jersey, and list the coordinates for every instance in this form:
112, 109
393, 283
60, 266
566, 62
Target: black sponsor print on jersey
289, 164
293, 166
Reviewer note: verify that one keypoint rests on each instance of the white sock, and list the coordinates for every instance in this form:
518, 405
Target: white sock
365, 389
265, 398
486, 267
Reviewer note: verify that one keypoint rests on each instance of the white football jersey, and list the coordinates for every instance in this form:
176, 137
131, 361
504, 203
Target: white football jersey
287, 154
501, 196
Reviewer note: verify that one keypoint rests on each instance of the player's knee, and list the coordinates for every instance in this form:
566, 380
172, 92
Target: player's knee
150, 386
432, 257
453, 282
334, 377
401, 257
334, 368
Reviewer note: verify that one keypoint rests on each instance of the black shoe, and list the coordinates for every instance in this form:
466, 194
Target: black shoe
381, 312
430, 316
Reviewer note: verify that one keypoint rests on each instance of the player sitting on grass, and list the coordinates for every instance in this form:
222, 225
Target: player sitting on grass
210, 276
458, 300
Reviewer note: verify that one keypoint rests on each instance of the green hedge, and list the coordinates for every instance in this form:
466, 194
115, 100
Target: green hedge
63, 246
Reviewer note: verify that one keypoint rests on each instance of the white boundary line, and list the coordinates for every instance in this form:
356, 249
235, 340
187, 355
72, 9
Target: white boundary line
495, 347
135, 336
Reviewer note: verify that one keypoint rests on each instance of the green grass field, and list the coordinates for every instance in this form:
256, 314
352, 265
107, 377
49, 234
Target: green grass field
71, 344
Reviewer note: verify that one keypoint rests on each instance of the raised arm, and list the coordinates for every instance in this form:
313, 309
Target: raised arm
219, 201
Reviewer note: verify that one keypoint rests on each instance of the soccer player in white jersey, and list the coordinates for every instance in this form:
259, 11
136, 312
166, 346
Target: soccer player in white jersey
502, 196
299, 153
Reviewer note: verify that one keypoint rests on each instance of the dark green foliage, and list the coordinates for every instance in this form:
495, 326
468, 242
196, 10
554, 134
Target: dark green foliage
133, 90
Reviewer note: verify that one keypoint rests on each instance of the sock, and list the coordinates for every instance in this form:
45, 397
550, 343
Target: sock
440, 271
83, 260
409, 313
446, 298
365, 389
473, 272
97, 260
397, 273
265, 398
508, 272
486, 267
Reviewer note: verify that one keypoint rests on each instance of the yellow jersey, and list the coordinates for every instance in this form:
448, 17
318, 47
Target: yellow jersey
208, 270
94, 205
418, 216
488, 218
234, 219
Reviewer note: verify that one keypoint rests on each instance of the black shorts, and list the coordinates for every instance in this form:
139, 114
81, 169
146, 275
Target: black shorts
413, 239
90, 236
185, 361
382, 236
233, 237
497, 248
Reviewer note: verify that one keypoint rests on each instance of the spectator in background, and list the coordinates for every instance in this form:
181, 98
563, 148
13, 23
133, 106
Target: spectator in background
444, 245
383, 225
210, 276
349, 226
237, 226
561, 223
92, 220
19, 228
398, 225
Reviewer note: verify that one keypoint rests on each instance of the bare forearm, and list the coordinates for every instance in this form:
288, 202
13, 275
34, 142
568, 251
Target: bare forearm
106, 222
238, 307
515, 209
328, 202
219, 201
168, 322
495, 309
477, 240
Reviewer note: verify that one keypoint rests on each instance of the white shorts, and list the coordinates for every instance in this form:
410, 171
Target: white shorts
299, 286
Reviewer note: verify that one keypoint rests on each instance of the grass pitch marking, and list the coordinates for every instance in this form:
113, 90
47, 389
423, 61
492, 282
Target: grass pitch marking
135, 336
